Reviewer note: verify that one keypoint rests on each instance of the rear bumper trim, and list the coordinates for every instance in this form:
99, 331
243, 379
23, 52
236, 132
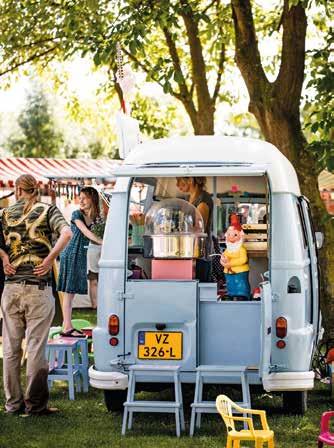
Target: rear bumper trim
107, 380
285, 381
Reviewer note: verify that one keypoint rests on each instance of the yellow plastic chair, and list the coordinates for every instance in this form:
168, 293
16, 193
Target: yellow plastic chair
225, 407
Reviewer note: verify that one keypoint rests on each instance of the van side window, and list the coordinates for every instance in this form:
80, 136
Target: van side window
303, 225
294, 285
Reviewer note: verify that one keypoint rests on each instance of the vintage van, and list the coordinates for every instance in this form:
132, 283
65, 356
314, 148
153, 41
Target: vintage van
274, 336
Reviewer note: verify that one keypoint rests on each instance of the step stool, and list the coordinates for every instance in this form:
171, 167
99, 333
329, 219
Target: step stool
215, 375
80, 355
144, 373
68, 360
83, 362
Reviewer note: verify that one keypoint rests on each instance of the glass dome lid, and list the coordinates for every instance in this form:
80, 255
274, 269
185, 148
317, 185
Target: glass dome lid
174, 217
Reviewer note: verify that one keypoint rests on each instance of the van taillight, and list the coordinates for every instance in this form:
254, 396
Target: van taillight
113, 325
281, 327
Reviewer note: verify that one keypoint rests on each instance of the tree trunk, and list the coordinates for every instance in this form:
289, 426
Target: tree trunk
308, 178
204, 123
276, 108
284, 131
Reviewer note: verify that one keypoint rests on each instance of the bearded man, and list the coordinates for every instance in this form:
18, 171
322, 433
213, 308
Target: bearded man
235, 262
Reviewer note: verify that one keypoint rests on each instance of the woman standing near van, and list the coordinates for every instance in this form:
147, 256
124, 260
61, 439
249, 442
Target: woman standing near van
73, 260
201, 199
94, 252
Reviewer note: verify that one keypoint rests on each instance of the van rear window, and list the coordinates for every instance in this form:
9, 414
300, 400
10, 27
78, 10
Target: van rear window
303, 224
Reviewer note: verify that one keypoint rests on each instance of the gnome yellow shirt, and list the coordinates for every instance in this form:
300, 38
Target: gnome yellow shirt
238, 261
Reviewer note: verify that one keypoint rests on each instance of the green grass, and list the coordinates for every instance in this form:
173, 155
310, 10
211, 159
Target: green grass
85, 313
85, 423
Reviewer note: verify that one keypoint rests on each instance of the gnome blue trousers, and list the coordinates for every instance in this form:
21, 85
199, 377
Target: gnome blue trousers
238, 285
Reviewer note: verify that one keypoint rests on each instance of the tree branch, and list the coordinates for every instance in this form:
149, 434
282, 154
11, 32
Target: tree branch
289, 81
189, 106
247, 53
209, 6
30, 59
197, 60
144, 68
38, 42
184, 92
219, 74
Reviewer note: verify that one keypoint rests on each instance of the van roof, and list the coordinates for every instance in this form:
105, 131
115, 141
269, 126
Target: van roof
215, 151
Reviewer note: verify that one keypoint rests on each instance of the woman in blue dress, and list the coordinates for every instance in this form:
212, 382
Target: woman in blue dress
73, 260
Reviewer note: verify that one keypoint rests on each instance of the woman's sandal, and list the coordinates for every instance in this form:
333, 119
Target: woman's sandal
73, 333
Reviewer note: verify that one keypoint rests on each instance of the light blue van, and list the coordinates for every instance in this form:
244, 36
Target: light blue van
274, 336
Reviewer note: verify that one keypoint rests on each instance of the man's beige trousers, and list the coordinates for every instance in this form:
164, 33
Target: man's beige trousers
27, 312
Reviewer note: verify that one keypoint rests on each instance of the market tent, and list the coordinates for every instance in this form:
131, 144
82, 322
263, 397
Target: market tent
46, 169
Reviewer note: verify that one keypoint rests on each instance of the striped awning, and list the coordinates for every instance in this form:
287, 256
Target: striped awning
65, 170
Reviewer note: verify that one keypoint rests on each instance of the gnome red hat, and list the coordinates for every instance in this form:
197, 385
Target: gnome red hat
235, 223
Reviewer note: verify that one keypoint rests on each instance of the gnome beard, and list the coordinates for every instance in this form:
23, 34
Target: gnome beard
234, 247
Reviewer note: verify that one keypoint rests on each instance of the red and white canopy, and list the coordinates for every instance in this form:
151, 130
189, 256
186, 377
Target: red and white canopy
67, 170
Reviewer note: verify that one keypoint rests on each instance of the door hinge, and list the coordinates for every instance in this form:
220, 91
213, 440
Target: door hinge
125, 295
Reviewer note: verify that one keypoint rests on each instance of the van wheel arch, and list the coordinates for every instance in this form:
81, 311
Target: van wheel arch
295, 402
114, 399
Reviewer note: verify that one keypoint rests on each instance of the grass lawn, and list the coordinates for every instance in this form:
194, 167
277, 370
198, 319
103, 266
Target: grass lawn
85, 423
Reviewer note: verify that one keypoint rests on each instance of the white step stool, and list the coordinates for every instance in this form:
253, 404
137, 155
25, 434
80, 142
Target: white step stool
216, 375
144, 373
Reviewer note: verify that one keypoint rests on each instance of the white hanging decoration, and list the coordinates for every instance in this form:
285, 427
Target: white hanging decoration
127, 127
128, 133
126, 80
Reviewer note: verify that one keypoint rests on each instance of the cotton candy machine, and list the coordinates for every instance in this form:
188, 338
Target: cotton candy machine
176, 230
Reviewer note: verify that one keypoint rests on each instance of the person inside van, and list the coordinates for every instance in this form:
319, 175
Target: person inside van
195, 187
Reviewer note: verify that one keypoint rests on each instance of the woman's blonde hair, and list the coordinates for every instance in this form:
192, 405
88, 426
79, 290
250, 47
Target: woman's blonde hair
29, 185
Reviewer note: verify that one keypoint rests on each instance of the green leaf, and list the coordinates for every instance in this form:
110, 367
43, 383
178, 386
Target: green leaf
133, 47
330, 163
167, 87
314, 127
93, 4
178, 77
97, 59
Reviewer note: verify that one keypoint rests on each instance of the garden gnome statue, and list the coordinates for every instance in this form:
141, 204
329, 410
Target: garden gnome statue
235, 262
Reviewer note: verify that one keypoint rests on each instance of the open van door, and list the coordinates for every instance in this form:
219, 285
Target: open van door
312, 248
266, 331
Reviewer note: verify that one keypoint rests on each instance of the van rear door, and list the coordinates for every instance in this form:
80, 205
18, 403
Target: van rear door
312, 248
266, 330
161, 322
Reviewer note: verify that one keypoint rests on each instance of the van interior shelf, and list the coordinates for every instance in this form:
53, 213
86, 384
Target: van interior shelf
257, 253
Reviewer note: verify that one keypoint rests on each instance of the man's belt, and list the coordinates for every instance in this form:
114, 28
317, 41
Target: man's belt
42, 284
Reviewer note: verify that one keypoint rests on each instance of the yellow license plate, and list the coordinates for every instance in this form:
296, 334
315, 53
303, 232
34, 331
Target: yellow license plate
160, 345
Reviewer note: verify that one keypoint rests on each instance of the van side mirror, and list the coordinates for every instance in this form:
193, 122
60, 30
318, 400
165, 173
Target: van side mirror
319, 239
